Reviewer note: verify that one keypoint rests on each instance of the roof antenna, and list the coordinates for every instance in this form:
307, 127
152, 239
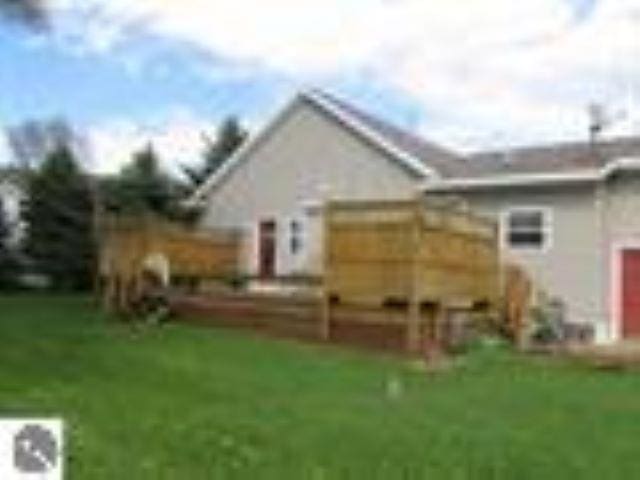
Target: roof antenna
505, 151
600, 120
597, 121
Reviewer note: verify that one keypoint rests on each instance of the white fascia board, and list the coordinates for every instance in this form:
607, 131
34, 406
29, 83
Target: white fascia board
534, 179
621, 163
510, 180
409, 161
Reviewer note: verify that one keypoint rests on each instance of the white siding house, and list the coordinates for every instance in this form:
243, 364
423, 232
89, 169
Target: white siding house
11, 197
307, 155
568, 212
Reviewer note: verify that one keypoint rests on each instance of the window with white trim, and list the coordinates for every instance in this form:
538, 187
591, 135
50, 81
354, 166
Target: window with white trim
295, 237
527, 228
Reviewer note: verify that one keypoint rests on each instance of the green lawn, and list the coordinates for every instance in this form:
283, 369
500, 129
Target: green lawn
186, 403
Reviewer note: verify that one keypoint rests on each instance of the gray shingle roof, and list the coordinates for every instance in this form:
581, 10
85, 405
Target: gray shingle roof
560, 157
551, 158
447, 163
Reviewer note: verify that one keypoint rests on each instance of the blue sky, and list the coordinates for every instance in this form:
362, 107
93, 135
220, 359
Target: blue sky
485, 74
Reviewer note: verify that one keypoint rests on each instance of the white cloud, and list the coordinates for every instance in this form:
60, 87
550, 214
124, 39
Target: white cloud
521, 71
176, 137
316, 35
532, 91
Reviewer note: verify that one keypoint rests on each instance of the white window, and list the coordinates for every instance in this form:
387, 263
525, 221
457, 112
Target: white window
527, 228
295, 237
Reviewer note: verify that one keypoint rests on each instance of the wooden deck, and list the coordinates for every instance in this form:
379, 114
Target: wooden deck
409, 253
128, 244
297, 318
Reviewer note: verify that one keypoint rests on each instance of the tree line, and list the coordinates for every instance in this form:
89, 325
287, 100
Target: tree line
63, 203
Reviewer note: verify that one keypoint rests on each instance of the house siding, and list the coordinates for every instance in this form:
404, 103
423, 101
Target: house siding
11, 197
624, 207
573, 267
307, 159
623, 231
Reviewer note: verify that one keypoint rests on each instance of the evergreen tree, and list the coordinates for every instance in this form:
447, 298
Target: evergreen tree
141, 188
230, 137
58, 215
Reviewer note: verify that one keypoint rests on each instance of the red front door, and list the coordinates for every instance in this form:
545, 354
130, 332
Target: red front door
267, 249
631, 293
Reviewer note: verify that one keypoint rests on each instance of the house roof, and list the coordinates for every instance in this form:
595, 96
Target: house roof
421, 158
443, 169
553, 158
562, 163
535, 160
445, 162
558, 162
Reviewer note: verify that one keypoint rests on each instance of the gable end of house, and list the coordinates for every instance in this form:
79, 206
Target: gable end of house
335, 113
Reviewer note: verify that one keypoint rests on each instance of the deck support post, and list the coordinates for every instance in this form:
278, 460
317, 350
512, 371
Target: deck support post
414, 314
325, 307
435, 344
413, 327
325, 318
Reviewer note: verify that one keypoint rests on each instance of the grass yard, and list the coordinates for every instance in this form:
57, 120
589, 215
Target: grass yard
186, 403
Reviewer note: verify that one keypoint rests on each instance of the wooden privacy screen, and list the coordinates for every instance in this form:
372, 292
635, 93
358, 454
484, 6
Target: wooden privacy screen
409, 252
127, 243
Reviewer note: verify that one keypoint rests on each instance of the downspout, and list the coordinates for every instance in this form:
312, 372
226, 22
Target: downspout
605, 322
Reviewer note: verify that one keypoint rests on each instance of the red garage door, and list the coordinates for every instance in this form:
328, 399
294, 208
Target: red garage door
631, 293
